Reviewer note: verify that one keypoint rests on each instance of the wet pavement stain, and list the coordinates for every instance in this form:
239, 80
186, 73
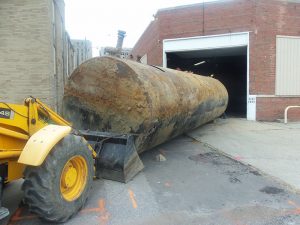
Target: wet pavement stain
226, 165
234, 180
271, 190
209, 157
235, 175
254, 172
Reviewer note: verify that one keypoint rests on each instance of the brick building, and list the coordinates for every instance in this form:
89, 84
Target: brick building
35, 51
252, 46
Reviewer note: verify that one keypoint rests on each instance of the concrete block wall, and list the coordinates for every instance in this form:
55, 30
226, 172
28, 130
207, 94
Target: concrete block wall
58, 78
25, 50
28, 63
264, 19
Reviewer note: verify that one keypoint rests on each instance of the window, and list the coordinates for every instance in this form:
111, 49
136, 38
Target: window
287, 66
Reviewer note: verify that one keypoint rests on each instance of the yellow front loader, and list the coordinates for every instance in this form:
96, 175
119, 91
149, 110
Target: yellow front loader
57, 162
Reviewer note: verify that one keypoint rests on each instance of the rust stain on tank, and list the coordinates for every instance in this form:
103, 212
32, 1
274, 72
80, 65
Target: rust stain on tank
110, 94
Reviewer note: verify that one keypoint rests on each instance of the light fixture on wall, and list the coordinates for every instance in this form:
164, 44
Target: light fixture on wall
199, 63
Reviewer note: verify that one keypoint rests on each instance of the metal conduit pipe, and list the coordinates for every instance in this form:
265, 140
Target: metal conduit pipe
286, 111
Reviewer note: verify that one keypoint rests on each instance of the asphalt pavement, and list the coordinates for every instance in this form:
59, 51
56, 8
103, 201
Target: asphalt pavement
271, 147
184, 182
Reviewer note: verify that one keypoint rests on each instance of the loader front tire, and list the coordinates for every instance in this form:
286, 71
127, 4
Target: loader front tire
59, 188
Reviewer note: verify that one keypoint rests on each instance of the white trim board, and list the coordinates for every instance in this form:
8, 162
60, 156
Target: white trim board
206, 42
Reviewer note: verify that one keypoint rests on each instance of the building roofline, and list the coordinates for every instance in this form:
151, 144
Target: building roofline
81, 40
192, 5
208, 3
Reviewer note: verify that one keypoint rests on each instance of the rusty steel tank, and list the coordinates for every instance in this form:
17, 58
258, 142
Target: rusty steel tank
154, 103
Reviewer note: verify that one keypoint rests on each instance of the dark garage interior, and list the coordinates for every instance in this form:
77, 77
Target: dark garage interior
229, 65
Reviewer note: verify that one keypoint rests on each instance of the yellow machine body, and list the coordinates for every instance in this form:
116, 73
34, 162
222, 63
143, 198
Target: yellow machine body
40, 144
30, 132
27, 135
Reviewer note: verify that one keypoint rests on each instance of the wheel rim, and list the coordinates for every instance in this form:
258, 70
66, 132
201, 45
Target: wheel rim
73, 178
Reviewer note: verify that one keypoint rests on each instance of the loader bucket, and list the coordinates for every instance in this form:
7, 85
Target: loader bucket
117, 158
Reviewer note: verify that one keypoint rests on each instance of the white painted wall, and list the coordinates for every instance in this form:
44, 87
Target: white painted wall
287, 66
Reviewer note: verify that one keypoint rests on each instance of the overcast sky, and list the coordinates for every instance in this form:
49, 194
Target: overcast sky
100, 20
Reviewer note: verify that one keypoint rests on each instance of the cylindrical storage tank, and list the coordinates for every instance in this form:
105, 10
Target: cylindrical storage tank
156, 104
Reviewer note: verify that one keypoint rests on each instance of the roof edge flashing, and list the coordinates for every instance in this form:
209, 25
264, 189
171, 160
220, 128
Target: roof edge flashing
192, 5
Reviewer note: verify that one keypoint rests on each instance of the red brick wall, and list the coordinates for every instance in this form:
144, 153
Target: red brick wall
270, 109
149, 44
219, 18
264, 19
272, 18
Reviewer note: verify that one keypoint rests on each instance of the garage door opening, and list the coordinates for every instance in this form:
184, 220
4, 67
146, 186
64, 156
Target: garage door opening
229, 65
